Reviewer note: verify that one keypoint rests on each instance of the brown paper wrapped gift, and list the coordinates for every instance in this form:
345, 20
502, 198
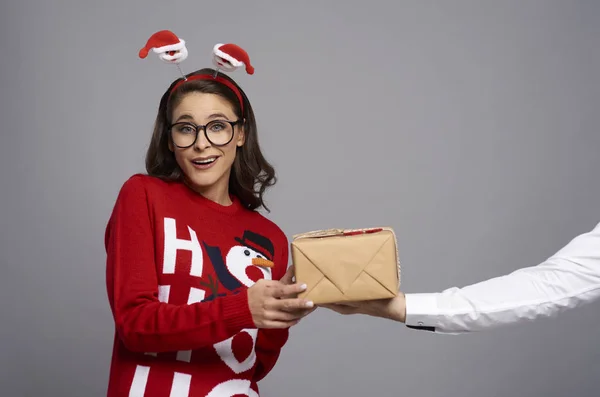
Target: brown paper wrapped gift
340, 265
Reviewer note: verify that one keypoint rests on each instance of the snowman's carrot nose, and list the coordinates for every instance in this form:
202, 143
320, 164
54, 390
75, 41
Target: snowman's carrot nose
262, 262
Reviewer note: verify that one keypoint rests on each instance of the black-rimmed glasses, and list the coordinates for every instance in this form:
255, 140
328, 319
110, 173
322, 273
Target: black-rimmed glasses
217, 132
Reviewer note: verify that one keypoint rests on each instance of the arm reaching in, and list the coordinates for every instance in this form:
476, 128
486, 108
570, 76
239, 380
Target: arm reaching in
567, 279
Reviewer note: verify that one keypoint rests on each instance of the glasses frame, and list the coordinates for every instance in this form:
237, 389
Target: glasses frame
203, 128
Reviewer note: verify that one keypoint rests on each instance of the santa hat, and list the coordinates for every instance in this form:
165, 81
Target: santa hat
161, 42
233, 54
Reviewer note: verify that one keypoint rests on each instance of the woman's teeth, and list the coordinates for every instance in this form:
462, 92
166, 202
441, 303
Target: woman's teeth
207, 161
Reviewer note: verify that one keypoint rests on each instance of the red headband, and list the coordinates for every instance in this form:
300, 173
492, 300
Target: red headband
172, 49
220, 79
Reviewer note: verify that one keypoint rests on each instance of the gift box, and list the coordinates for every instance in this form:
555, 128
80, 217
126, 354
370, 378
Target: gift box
340, 265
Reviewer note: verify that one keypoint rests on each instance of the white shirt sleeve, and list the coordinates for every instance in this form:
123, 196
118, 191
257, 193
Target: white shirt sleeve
568, 279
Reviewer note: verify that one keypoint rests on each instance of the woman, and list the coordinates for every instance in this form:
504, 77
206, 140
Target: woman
192, 268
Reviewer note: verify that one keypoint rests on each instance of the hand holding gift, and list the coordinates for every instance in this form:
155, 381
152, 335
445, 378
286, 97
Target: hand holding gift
275, 304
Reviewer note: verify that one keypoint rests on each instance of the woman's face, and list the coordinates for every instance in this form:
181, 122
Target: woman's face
206, 166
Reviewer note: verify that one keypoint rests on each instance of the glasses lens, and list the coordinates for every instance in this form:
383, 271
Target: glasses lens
183, 134
219, 132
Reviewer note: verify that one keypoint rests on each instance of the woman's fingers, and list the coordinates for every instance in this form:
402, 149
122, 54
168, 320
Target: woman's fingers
283, 290
291, 305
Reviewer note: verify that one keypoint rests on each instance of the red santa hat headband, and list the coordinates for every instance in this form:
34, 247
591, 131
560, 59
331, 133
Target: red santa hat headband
172, 49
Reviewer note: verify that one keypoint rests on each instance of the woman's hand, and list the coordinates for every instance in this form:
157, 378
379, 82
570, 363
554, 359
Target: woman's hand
274, 304
393, 309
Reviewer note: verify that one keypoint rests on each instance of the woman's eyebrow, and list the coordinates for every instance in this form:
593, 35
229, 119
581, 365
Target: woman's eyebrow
185, 117
215, 115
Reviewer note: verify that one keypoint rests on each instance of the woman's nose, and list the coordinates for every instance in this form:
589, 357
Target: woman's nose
202, 143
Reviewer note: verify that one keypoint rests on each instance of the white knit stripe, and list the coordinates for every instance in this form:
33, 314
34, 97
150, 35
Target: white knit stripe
140, 378
181, 385
163, 296
184, 355
196, 295
163, 293
233, 387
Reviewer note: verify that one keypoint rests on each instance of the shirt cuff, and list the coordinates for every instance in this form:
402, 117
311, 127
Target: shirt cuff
422, 311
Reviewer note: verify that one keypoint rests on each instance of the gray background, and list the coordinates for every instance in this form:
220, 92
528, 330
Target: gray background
470, 127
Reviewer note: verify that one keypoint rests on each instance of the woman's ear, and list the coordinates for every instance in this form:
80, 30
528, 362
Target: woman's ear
241, 137
170, 145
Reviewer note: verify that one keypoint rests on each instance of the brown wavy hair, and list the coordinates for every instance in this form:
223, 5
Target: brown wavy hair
251, 173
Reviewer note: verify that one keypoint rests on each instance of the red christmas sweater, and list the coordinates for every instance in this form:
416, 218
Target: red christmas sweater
178, 269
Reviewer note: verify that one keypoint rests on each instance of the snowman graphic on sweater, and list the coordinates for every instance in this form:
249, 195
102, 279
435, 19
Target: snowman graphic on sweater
244, 264
251, 260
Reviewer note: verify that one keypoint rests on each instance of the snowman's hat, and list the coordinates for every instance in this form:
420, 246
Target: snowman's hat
258, 243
